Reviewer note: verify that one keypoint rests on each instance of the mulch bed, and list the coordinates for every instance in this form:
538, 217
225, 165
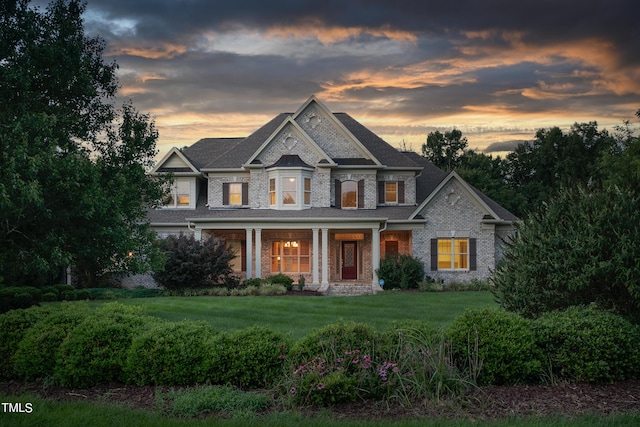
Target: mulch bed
567, 400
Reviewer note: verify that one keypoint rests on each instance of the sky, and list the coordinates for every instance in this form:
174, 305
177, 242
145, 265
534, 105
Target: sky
498, 70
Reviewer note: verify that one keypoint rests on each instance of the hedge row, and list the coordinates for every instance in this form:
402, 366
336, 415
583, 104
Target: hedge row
409, 361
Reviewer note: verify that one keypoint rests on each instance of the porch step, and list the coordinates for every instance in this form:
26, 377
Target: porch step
349, 289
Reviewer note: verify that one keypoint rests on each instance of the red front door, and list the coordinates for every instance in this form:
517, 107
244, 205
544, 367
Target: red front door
349, 260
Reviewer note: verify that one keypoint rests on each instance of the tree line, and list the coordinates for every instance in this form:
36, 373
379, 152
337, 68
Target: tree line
536, 170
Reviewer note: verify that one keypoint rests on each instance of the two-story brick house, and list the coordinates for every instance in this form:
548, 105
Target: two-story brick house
315, 193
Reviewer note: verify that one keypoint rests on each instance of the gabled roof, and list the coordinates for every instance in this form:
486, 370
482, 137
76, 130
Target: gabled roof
493, 209
307, 139
175, 162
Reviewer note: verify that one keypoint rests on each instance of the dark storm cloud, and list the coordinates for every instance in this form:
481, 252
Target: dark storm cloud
500, 147
422, 62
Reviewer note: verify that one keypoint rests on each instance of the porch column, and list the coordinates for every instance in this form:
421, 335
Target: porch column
197, 233
375, 257
316, 256
325, 258
249, 253
258, 253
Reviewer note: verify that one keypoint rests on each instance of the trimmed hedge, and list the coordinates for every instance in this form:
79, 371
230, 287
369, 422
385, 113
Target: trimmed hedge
585, 344
34, 357
503, 342
171, 353
249, 358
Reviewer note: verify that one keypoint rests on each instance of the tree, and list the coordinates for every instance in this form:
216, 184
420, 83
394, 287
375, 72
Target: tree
580, 248
191, 263
487, 174
445, 150
538, 169
73, 182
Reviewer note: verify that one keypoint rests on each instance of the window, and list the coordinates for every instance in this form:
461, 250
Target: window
391, 192
272, 191
289, 191
180, 193
235, 193
349, 194
290, 257
454, 254
307, 191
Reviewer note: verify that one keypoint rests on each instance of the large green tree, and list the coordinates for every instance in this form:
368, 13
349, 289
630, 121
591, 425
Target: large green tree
445, 149
580, 248
73, 183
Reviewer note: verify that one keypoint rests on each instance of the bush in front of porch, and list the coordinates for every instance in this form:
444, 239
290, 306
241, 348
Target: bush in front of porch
401, 271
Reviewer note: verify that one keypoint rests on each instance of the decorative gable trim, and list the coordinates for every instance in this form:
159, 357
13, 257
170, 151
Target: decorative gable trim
307, 139
469, 190
188, 169
361, 147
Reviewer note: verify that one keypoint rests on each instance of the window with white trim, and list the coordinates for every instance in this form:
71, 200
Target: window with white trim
290, 256
453, 254
180, 193
289, 189
349, 194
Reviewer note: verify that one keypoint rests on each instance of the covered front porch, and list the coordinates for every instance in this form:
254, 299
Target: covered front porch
323, 253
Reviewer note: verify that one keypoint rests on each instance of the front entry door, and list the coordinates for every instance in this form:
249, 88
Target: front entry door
349, 260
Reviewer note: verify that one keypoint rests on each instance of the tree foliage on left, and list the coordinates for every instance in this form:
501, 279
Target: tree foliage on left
73, 183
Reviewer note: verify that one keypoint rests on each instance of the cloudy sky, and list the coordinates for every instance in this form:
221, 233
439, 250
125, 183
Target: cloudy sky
496, 69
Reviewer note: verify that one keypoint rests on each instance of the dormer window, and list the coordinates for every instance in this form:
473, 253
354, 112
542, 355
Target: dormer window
180, 193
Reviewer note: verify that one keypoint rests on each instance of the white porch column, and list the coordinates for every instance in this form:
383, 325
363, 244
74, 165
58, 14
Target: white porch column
197, 233
325, 259
316, 256
258, 253
249, 253
375, 257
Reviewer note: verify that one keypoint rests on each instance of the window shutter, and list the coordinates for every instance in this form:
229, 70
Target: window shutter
245, 193
400, 191
381, 193
225, 193
361, 194
434, 254
472, 255
338, 198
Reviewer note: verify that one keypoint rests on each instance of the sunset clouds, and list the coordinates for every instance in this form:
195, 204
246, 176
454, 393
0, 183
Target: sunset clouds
498, 70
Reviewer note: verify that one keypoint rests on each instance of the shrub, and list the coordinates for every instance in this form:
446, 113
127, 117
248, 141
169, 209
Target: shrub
585, 344
35, 356
95, 350
13, 327
506, 346
272, 289
579, 249
14, 297
281, 279
194, 263
401, 271
332, 365
49, 297
251, 358
170, 353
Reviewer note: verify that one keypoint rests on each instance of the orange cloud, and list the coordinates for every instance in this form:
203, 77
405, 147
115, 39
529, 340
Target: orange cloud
334, 34
156, 51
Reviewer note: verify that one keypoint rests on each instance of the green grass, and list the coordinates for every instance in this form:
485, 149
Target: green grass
80, 414
301, 315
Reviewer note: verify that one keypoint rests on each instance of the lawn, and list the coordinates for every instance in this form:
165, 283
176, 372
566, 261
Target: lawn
301, 315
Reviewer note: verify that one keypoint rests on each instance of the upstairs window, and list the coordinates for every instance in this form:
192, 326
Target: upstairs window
390, 192
180, 193
235, 193
349, 194
289, 189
